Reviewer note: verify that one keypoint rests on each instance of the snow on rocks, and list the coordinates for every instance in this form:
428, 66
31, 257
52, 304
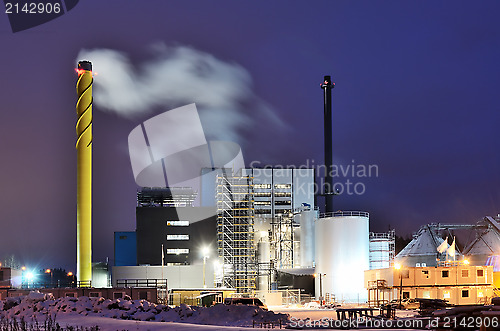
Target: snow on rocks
38, 306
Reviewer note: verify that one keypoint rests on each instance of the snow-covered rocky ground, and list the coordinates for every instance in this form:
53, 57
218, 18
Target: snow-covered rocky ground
81, 311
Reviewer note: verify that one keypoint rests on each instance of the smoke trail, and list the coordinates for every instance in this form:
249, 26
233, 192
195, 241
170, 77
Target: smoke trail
176, 76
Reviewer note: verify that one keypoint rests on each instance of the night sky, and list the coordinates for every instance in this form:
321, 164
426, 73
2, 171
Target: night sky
416, 95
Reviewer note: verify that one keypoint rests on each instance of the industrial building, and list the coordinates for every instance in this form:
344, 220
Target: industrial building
265, 227
431, 268
457, 282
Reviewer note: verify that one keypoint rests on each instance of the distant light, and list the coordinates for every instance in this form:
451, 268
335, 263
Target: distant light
30, 275
397, 266
70, 274
47, 271
23, 268
315, 275
205, 251
466, 262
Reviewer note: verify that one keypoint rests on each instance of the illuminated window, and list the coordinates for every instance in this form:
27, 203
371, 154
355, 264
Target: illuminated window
177, 223
283, 186
262, 186
282, 194
480, 294
177, 251
282, 203
480, 273
465, 293
465, 273
425, 274
445, 273
446, 295
177, 237
426, 295
262, 194
262, 203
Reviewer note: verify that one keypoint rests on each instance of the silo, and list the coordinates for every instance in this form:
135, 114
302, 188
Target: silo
342, 255
306, 220
382, 249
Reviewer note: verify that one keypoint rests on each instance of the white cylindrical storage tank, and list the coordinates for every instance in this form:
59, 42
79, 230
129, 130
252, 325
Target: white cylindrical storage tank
342, 256
306, 220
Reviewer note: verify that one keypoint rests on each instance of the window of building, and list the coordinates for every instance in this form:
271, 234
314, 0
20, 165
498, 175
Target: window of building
117, 295
1, 275
282, 186
177, 251
480, 294
445, 273
465, 293
262, 203
268, 186
143, 295
405, 273
282, 194
480, 273
71, 294
465, 273
94, 294
282, 203
406, 295
425, 274
123, 237
262, 194
446, 294
177, 237
177, 223
426, 295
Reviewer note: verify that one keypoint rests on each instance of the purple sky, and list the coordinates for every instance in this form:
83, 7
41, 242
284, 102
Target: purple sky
416, 94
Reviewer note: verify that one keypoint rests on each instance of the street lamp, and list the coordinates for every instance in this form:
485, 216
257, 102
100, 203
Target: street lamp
30, 276
397, 266
205, 252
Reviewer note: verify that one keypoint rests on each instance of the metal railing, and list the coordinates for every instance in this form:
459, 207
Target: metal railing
153, 282
345, 213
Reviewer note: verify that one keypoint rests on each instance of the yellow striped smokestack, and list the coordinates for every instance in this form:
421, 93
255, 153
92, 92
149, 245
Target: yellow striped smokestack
84, 174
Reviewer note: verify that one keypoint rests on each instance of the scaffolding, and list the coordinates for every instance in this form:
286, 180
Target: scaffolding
235, 232
282, 241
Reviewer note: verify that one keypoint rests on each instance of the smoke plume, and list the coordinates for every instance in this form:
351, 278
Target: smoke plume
176, 76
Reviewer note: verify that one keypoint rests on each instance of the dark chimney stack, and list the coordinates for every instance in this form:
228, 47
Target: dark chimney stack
327, 86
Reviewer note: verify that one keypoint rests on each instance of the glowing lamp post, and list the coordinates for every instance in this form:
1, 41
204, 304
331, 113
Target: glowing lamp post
205, 252
397, 266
